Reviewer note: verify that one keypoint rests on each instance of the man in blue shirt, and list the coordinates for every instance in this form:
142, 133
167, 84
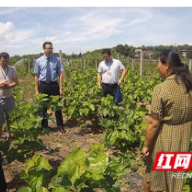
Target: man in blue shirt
47, 70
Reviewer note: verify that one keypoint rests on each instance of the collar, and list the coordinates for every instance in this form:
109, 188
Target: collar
109, 61
4, 68
172, 76
46, 57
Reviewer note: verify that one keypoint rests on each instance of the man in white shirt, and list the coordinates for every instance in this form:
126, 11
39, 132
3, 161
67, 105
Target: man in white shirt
8, 80
108, 73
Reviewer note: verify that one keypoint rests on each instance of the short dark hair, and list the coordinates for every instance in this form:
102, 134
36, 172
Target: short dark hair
107, 51
4, 55
47, 43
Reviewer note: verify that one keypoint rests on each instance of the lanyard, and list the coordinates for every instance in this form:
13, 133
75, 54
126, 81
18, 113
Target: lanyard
3, 73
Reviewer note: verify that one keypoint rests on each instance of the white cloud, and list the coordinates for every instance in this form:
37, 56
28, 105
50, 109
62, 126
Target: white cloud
75, 29
6, 31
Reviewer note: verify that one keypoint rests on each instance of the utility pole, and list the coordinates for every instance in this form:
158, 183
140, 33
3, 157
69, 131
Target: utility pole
141, 60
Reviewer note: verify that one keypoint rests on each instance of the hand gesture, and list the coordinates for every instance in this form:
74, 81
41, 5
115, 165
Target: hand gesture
60, 92
119, 82
145, 150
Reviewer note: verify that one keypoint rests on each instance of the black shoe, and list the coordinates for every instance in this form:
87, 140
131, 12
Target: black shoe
47, 129
61, 129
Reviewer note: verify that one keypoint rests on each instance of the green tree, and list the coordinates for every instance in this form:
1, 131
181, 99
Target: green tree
14, 59
120, 49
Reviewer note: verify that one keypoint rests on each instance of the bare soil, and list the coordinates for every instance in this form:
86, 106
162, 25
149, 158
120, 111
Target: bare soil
57, 146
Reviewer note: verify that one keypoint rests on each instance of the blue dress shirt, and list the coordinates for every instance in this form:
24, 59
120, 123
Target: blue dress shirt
41, 67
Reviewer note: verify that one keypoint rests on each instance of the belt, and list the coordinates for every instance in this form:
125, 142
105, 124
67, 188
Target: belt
111, 85
49, 83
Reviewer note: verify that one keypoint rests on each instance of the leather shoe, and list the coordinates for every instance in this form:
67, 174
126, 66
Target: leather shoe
61, 129
46, 130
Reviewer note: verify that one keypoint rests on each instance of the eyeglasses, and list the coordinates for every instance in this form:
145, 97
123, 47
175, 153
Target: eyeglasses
49, 48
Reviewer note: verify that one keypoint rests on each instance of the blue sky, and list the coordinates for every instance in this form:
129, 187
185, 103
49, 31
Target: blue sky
81, 29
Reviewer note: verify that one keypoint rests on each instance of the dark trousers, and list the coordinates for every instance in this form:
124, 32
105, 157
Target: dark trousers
109, 89
3, 185
50, 89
